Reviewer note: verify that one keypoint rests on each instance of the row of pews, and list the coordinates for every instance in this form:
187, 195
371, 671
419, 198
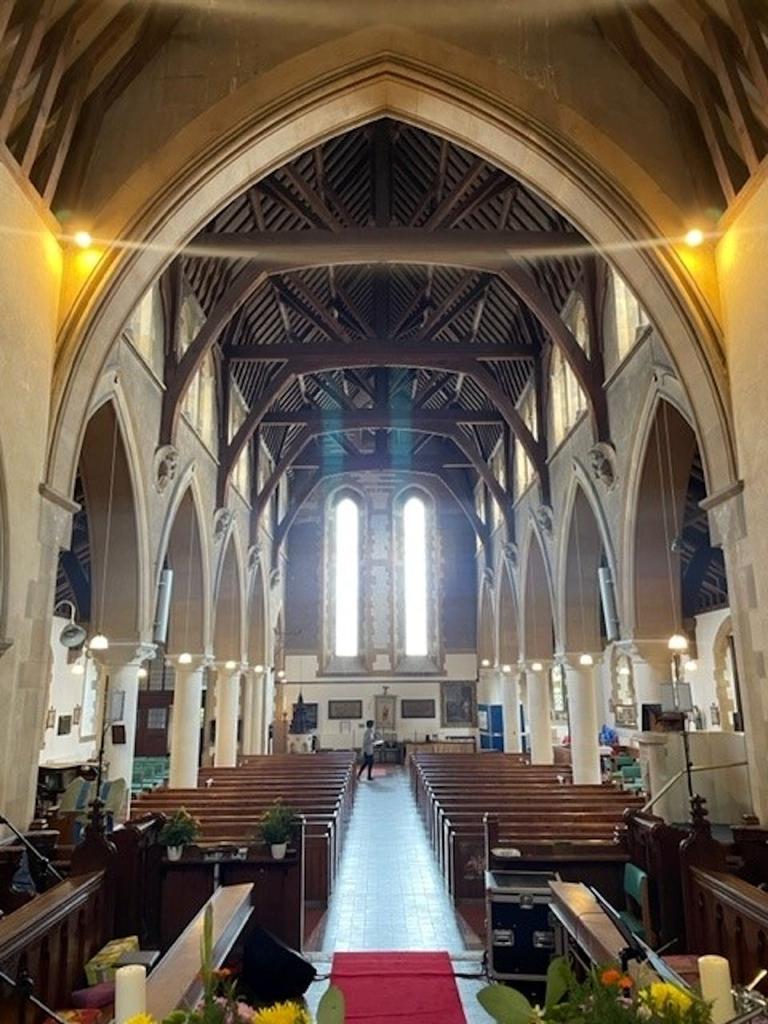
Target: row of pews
495, 811
229, 803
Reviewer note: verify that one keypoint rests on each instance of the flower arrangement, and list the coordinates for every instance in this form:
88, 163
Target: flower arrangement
180, 829
606, 996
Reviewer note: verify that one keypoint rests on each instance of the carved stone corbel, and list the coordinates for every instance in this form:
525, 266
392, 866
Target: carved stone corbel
602, 463
166, 467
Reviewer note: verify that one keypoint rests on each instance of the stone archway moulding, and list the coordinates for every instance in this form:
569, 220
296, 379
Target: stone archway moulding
666, 389
533, 536
270, 120
580, 481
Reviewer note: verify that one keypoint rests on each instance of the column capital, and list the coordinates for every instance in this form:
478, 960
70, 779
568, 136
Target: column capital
229, 667
122, 653
542, 665
573, 660
196, 661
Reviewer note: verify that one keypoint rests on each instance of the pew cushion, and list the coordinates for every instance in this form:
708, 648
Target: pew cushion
95, 996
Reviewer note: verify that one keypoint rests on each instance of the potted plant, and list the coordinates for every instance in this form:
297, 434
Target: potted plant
178, 831
276, 827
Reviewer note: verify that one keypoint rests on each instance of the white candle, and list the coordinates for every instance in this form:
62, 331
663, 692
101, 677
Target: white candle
715, 981
130, 992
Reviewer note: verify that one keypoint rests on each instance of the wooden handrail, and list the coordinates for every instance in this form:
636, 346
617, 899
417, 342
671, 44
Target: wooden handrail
31, 922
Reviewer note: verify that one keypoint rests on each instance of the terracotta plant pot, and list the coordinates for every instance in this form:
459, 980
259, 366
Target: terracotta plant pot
278, 850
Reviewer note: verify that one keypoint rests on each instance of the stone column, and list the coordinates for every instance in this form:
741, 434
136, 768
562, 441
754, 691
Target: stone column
539, 712
185, 731
581, 681
227, 714
258, 724
510, 704
248, 691
120, 664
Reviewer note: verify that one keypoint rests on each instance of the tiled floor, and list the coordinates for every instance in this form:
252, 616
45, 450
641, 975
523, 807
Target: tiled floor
389, 893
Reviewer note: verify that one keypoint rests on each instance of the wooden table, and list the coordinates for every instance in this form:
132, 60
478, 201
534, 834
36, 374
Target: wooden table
175, 982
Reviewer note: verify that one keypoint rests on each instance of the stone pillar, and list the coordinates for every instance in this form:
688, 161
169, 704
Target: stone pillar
227, 714
581, 681
539, 712
653, 754
254, 726
510, 704
120, 663
185, 731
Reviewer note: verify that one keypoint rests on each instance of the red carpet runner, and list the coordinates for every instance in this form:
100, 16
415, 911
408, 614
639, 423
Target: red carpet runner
383, 987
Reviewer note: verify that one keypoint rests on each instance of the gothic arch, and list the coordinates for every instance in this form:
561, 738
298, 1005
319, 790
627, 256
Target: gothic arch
537, 621
653, 519
118, 574
186, 555
581, 555
279, 114
257, 620
509, 639
227, 606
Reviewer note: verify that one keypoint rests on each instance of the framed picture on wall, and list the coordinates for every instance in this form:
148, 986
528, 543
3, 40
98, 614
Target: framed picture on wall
384, 713
345, 709
310, 715
410, 708
458, 702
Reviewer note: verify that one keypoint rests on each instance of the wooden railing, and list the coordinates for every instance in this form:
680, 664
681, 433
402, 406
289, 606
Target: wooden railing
729, 917
50, 939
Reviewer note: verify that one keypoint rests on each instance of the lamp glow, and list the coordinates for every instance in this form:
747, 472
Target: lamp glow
677, 642
185, 658
99, 643
691, 665
506, 669
586, 660
142, 673
485, 663
78, 669
230, 665
83, 239
258, 668
536, 666
281, 674
694, 237
624, 670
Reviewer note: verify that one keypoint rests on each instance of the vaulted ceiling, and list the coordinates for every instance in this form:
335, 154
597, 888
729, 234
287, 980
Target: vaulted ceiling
65, 63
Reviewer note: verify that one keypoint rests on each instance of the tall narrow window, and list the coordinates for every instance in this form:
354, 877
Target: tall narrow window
415, 566
347, 582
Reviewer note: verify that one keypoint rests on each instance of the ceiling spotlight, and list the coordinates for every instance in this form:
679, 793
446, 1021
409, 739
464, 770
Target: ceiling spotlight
99, 643
536, 666
677, 642
694, 237
586, 660
83, 239
185, 658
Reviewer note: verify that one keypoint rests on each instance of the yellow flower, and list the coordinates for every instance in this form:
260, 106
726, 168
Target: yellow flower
282, 1013
660, 994
140, 1018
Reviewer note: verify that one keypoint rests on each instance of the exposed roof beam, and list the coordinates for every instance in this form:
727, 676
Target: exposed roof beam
371, 419
315, 247
379, 352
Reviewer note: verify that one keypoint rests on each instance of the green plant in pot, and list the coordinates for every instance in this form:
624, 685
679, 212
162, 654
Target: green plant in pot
178, 831
276, 826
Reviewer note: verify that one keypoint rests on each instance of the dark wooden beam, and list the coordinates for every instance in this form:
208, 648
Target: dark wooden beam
743, 14
284, 250
382, 418
33, 28
382, 352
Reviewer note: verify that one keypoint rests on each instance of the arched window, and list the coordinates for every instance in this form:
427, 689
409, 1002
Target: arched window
568, 400
630, 317
347, 579
415, 578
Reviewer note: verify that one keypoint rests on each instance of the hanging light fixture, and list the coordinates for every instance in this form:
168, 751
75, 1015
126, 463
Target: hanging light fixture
677, 643
537, 666
73, 634
506, 669
485, 663
586, 660
258, 668
185, 658
230, 665
99, 642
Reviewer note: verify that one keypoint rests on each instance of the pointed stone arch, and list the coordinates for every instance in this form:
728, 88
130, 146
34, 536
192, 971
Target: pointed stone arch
187, 630
509, 637
117, 576
537, 620
228, 639
257, 620
580, 614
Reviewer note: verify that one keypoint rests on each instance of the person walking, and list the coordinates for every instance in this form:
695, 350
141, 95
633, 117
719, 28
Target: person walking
370, 742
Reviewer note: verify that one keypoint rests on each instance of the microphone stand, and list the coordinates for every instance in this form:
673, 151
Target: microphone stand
23, 987
48, 868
